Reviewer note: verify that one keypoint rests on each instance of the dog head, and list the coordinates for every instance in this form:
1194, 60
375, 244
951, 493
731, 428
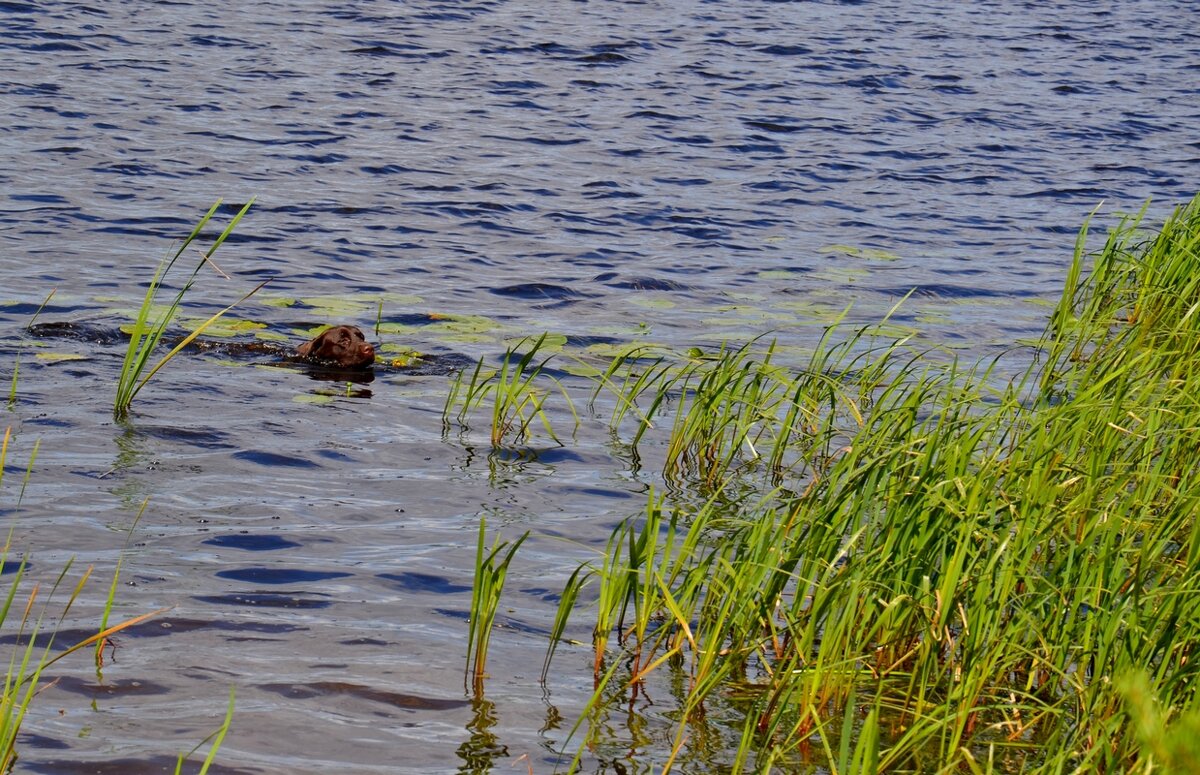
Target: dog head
342, 346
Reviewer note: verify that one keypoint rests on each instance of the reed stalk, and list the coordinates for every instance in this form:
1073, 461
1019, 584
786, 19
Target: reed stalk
147, 334
1010, 572
517, 397
491, 570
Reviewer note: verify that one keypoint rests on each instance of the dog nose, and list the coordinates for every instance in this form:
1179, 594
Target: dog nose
367, 351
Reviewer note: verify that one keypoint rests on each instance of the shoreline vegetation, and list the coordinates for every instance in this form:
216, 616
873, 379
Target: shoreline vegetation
882, 561
890, 564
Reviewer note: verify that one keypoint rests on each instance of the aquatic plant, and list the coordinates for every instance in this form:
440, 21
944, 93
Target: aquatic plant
517, 398
491, 569
34, 646
12, 390
216, 738
956, 573
146, 334
42, 306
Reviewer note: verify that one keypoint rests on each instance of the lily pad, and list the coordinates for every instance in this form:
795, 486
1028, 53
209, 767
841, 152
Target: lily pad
839, 274
552, 342
650, 302
466, 328
870, 254
577, 369
60, 357
341, 306
777, 274
312, 398
609, 351
401, 300
398, 329
223, 327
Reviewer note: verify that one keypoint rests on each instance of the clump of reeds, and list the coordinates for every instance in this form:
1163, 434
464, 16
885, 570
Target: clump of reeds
517, 395
491, 569
146, 333
34, 646
997, 578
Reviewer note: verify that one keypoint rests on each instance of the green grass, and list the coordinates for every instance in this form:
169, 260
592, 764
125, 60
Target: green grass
12, 390
491, 570
900, 563
27, 613
514, 392
146, 334
36, 620
216, 738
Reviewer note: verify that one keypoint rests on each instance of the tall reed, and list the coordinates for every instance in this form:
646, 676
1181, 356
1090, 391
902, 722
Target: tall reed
34, 650
515, 392
996, 577
146, 334
491, 570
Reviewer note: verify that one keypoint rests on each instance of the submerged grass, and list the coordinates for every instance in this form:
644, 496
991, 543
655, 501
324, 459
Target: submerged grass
940, 573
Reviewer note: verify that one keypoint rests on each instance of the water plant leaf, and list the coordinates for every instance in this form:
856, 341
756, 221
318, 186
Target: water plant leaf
399, 329
651, 302
146, 332
551, 343
870, 254
349, 307
778, 274
61, 357
225, 328
313, 398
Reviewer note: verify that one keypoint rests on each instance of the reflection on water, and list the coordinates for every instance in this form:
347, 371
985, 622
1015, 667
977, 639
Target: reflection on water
452, 178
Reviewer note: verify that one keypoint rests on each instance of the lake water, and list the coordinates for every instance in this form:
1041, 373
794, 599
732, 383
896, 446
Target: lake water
468, 173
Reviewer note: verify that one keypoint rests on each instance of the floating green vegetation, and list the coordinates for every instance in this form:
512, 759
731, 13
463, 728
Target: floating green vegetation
652, 302
839, 275
398, 356
898, 565
465, 328
60, 357
226, 327
550, 343
152, 320
869, 254
338, 307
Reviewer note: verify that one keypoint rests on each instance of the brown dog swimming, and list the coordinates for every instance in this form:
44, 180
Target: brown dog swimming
343, 347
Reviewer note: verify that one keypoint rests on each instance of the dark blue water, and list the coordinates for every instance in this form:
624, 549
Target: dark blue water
681, 172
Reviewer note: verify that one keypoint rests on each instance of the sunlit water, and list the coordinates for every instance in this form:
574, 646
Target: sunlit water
681, 173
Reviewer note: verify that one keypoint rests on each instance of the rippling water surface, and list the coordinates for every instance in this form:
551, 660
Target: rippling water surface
683, 173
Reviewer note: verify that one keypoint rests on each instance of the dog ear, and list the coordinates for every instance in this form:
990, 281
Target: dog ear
307, 348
